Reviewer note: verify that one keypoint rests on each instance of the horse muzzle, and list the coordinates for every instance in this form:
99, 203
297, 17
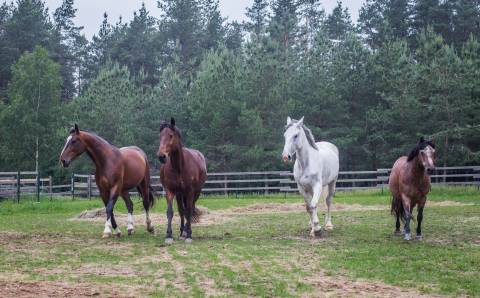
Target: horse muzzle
287, 158
65, 163
162, 158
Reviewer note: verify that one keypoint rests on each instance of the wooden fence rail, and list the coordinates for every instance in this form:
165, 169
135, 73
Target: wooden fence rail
12, 184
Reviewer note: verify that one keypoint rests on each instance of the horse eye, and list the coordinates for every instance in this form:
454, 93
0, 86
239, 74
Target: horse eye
171, 136
74, 141
295, 136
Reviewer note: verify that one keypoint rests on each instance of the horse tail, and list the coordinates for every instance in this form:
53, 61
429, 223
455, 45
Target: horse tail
151, 197
397, 208
197, 213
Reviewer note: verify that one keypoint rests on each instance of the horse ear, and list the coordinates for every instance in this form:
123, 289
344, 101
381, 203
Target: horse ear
422, 139
77, 131
300, 122
289, 120
172, 121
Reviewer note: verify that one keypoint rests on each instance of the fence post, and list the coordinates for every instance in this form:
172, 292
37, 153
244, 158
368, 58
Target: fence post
18, 187
72, 182
50, 188
225, 185
266, 184
89, 187
38, 186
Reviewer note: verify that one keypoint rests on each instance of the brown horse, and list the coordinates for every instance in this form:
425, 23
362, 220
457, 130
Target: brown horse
409, 184
117, 171
183, 175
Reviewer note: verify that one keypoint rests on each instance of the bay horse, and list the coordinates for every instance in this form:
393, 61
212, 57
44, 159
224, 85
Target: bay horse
315, 170
409, 184
117, 170
183, 174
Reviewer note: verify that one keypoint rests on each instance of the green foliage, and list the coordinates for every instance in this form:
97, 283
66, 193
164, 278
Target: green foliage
407, 69
32, 114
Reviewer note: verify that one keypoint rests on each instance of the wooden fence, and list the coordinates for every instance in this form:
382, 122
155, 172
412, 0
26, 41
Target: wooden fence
283, 182
13, 184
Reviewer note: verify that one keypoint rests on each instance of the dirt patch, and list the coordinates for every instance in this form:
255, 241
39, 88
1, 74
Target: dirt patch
338, 286
58, 289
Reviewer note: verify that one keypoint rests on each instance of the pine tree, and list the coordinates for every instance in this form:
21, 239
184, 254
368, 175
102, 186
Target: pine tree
30, 121
338, 23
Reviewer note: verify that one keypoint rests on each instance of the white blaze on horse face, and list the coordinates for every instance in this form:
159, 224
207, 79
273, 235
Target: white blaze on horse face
428, 157
66, 143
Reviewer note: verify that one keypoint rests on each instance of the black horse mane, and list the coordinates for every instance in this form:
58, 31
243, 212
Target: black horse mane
422, 144
177, 130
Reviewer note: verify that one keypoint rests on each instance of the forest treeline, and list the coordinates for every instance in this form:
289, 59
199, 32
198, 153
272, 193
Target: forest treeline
407, 68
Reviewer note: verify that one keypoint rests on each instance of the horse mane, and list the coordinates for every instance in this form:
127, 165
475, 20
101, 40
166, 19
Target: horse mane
177, 130
72, 130
422, 144
308, 133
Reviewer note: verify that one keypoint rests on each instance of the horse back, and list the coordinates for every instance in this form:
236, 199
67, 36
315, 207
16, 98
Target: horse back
135, 166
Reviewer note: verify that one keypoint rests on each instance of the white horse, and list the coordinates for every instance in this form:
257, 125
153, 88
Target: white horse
315, 170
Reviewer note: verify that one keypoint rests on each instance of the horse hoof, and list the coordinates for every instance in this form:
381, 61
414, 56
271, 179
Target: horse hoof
407, 237
397, 233
182, 238
168, 241
188, 240
329, 227
418, 237
118, 234
106, 235
151, 230
131, 232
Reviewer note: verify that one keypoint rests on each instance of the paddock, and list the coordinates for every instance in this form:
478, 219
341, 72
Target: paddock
249, 245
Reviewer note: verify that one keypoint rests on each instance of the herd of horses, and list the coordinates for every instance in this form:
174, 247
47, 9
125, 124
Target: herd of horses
184, 171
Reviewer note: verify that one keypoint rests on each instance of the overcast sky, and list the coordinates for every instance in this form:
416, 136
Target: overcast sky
90, 12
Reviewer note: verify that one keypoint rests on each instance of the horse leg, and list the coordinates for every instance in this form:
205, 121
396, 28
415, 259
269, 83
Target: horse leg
419, 219
129, 205
168, 237
328, 200
188, 202
181, 212
397, 226
110, 223
408, 217
312, 209
144, 191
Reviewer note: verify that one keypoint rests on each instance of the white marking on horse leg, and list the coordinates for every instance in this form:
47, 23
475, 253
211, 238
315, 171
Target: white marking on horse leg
148, 222
130, 222
108, 228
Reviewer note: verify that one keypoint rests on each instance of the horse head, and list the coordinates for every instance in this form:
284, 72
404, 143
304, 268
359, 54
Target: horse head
170, 140
425, 150
293, 130
73, 147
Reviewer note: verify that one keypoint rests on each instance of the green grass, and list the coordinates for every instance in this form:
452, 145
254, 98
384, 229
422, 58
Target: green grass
268, 254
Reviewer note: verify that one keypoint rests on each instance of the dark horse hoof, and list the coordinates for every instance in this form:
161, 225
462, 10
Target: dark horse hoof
131, 232
418, 237
183, 235
397, 233
151, 230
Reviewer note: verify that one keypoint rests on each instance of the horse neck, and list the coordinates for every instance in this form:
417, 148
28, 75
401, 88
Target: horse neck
416, 168
303, 153
177, 159
97, 149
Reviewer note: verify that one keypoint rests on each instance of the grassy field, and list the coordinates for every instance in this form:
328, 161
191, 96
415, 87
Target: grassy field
247, 246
